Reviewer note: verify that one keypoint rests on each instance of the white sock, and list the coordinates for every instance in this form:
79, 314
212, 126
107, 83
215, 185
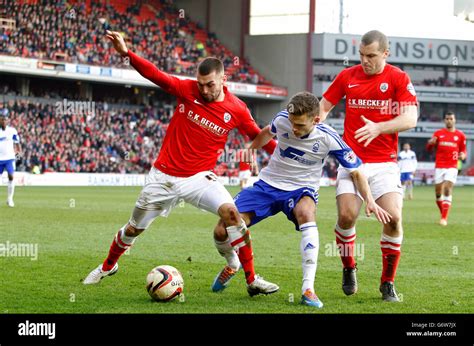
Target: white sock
227, 251
11, 190
309, 248
404, 190
127, 240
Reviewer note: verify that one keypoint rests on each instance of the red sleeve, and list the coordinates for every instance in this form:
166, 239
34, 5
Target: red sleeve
168, 83
250, 128
430, 147
405, 92
337, 89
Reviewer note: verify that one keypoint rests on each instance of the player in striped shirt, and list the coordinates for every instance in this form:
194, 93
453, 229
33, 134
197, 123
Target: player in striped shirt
290, 184
9, 148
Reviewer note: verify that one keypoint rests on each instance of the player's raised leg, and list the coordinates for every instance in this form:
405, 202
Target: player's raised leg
304, 212
390, 244
156, 199
123, 240
348, 207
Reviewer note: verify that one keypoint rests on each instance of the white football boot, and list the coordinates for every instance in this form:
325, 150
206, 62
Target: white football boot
260, 286
98, 274
10, 203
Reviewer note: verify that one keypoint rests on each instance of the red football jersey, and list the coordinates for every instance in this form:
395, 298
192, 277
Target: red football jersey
448, 146
198, 129
378, 98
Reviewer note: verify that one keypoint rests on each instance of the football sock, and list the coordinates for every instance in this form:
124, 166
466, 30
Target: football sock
11, 189
439, 203
309, 248
390, 256
227, 251
240, 239
120, 244
345, 239
445, 206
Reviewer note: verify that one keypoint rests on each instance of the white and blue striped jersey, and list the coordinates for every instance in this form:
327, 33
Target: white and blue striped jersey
407, 161
8, 137
298, 162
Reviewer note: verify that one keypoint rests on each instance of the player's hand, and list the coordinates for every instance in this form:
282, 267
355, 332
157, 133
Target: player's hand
433, 140
372, 208
118, 42
368, 132
462, 155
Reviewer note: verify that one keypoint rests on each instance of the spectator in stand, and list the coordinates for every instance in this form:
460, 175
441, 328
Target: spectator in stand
43, 30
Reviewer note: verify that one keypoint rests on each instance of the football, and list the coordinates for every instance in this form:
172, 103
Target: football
164, 283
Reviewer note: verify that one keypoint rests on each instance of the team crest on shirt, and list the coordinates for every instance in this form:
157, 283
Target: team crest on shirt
383, 87
227, 117
456, 138
316, 147
411, 89
350, 157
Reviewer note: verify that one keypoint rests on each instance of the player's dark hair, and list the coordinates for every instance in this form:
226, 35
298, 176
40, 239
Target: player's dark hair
303, 103
375, 36
449, 113
209, 65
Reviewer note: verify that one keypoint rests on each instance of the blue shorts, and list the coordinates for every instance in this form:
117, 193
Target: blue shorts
9, 165
406, 176
265, 200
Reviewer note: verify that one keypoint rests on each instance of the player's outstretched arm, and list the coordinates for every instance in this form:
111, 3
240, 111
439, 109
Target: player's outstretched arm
406, 120
147, 69
262, 138
431, 143
324, 108
363, 187
117, 40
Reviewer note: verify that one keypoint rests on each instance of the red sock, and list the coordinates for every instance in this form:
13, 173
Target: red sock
245, 253
439, 203
117, 248
345, 240
445, 209
390, 257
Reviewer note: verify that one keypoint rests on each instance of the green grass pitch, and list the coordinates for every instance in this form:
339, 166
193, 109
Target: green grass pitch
73, 228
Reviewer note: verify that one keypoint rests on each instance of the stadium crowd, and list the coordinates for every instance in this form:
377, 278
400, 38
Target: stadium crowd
102, 139
43, 30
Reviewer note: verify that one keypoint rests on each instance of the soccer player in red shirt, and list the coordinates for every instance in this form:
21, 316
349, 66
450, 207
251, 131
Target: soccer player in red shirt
450, 146
205, 114
380, 102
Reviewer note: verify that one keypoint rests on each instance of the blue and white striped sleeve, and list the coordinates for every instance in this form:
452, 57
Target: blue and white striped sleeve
340, 150
15, 137
274, 123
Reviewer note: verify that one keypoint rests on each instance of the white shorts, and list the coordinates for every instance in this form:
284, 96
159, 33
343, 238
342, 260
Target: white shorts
245, 174
449, 174
162, 192
382, 177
